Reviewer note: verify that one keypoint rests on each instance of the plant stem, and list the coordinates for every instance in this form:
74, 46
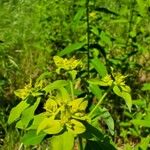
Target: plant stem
72, 91
88, 37
100, 101
80, 143
20, 147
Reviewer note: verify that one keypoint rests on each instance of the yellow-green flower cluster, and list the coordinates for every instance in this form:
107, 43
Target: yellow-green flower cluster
29, 90
66, 64
62, 115
119, 80
25, 92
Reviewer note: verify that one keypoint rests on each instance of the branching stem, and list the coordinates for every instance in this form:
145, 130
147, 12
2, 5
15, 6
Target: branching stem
100, 101
88, 37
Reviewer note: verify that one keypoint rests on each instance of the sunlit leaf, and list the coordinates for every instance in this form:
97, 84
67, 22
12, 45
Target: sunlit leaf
55, 85
99, 66
15, 113
63, 141
83, 105
36, 121
27, 115
76, 127
125, 95
143, 123
31, 138
71, 48
73, 74
146, 87
96, 90
126, 88
65, 95
49, 126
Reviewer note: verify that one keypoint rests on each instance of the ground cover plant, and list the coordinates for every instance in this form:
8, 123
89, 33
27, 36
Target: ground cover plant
74, 74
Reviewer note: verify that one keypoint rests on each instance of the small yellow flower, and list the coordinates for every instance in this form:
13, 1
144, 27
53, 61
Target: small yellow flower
92, 15
65, 114
119, 79
66, 64
50, 105
24, 93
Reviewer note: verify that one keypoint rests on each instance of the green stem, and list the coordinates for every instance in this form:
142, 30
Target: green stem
72, 91
20, 147
80, 143
88, 37
100, 101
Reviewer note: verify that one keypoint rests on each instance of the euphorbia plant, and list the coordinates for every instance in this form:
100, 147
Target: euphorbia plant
64, 117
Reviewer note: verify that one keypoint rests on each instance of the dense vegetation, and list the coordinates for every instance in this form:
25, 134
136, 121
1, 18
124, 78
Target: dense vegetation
95, 53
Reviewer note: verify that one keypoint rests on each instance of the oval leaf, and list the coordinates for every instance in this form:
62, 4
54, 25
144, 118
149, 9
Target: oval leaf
55, 85
31, 138
64, 141
71, 48
50, 126
16, 111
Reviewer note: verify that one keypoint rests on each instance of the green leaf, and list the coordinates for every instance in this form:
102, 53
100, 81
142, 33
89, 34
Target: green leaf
141, 7
27, 115
140, 102
63, 141
92, 133
120, 20
55, 85
50, 126
106, 116
146, 87
125, 95
144, 144
31, 138
99, 145
117, 91
76, 127
106, 10
80, 12
96, 90
44, 75
106, 81
73, 74
65, 95
95, 30
15, 113
99, 66
71, 48
102, 114
143, 123
96, 140
125, 88
105, 38
36, 121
